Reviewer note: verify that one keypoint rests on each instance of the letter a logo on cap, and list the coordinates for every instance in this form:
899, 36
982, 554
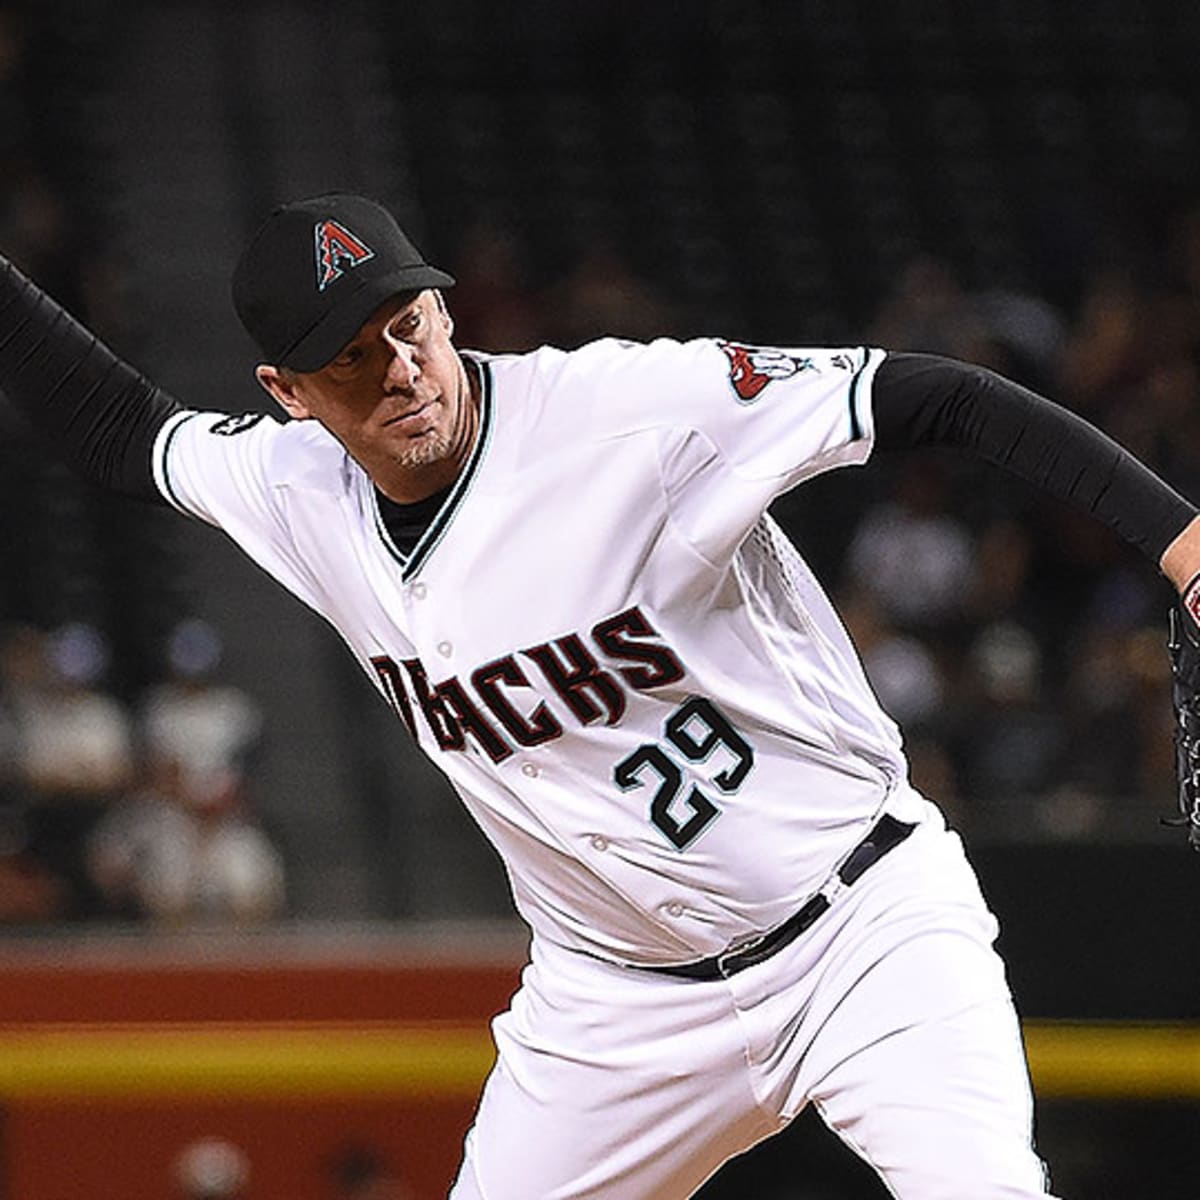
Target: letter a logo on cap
338, 250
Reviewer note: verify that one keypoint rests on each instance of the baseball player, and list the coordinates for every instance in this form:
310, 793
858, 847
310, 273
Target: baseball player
559, 571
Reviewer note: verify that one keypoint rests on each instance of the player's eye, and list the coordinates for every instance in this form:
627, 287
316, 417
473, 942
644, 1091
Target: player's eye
406, 325
348, 358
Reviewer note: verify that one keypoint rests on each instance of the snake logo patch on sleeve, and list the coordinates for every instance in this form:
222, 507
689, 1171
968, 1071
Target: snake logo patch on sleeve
751, 368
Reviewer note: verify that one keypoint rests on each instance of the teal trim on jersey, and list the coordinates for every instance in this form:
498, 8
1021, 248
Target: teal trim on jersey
857, 433
411, 563
381, 529
172, 496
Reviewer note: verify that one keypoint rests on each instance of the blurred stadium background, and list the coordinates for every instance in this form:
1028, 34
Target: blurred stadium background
264, 970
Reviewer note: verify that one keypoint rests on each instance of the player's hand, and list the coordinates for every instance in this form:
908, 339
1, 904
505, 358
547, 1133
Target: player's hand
1183, 647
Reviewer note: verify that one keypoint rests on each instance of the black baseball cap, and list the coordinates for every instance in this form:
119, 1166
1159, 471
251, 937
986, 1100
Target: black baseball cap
317, 269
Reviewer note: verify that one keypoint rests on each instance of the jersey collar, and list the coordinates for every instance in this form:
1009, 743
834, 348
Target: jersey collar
411, 563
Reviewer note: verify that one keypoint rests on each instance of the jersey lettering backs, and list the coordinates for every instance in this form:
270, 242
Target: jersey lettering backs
584, 687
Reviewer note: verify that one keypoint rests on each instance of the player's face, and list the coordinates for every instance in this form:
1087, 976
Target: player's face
397, 397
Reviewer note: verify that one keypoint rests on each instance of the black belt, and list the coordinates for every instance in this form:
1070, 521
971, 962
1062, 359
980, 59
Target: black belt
885, 835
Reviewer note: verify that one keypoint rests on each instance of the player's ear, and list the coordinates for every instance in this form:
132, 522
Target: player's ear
280, 384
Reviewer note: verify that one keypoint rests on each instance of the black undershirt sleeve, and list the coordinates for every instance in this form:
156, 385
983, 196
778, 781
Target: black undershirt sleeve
96, 411
921, 399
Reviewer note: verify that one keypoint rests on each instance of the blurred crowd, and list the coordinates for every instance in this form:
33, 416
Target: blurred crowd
112, 811
1019, 644
113, 806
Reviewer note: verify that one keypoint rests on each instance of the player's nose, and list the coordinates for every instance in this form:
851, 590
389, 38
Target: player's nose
403, 370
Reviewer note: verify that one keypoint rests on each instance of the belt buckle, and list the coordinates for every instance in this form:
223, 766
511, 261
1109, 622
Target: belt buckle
731, 956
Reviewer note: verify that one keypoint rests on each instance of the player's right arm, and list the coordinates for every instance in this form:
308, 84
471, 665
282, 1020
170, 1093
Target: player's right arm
96, 411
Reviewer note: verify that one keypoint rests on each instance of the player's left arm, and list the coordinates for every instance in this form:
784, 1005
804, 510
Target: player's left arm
922, 399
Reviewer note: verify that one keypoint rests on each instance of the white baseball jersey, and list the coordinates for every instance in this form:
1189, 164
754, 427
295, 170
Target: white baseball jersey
618, 659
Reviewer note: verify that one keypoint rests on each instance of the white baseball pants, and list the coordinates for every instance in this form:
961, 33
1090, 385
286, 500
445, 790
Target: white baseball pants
891, 1015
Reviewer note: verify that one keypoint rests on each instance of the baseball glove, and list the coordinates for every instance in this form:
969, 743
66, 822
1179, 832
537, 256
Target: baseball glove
1183, 646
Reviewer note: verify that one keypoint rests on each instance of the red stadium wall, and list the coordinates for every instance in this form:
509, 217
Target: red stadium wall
113, 1062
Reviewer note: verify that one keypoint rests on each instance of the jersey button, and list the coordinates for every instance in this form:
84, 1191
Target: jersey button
529, 770
419, 591
444, 649
675, 909
599, 842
